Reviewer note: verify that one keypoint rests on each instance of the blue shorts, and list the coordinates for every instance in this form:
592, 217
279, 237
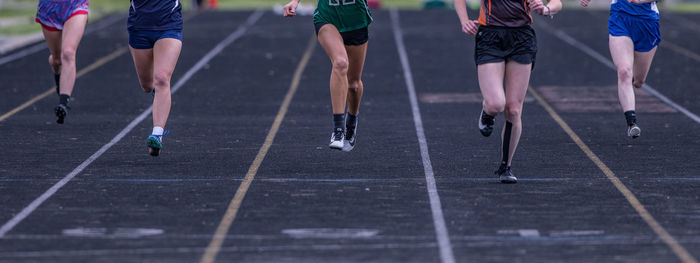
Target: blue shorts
644, 33
145, 39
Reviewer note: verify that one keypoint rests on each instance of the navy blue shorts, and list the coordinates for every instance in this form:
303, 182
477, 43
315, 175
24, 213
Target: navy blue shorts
145, 39
644, 33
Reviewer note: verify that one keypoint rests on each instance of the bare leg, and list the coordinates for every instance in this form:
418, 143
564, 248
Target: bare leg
356, 55
622, 51
73, 31
517, 80
332, 43
491, 85
53, 40
642, 63
165, 53
143, 62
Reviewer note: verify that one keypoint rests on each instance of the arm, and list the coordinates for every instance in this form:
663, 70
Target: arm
290, 9
468, 26
551, 8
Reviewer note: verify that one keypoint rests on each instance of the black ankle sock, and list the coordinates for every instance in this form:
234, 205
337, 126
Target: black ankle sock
631, 117
57, 78
506, 143
351, 121
63, 99
339, 121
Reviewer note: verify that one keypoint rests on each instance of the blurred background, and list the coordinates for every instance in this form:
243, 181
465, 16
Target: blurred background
17, 26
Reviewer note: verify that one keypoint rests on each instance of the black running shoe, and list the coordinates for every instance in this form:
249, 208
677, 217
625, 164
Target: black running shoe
337, 138
485, 124
506, 175
61, 112
350, 137
634, 131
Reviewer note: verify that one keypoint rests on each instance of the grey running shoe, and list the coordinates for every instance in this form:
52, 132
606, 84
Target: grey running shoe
506, 175
350, 137
337, 138
485, 124
634, 131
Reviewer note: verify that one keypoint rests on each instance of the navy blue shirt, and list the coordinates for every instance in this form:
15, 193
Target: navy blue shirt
155, 15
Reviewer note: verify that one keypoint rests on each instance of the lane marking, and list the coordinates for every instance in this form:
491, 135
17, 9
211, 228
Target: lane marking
41, 46
200, 64
676, 247
98, 63
330, 233
680, 50
443, 236
602, 59
235, 204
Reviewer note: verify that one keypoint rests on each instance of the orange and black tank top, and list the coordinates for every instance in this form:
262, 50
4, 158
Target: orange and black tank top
506, 13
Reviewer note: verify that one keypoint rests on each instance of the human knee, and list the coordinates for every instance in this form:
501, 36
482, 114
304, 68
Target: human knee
161, 80
54, 61
494, 106
624, 74
637, 82
341, 65
355, 85
513, 112
67, 55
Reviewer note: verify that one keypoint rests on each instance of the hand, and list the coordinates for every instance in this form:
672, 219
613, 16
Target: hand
290, 9
584, 3
470, 26
538, 7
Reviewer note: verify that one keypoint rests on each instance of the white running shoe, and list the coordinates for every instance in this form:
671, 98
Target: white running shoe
337, 139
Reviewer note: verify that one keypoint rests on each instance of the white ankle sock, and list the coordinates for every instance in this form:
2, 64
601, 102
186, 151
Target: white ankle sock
157, 130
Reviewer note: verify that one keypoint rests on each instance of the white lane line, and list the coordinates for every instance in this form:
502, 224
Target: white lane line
41, 45
602, 59
200, 64
443, 237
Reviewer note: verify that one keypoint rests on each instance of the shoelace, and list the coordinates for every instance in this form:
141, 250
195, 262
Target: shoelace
338, 135
166, 132
487, 120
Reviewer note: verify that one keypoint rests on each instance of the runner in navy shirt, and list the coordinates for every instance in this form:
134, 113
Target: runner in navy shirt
155, 41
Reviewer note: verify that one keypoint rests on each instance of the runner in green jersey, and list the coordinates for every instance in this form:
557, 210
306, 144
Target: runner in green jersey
341, 27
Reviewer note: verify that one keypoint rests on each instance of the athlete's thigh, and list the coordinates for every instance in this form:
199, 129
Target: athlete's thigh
53, 40
621, 50
332, 42
356, 59
166, 53
491, 79
642, 63
143, 62
517, 81
73, 30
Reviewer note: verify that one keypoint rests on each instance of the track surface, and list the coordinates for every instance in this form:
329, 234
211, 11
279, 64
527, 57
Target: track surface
309, 204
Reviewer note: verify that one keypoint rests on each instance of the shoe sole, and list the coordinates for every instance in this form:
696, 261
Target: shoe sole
60, 114
508, 180
154, 146
336, 146
486, 131
635, 132
348, 147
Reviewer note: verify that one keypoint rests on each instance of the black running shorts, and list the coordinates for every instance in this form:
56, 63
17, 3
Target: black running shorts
498, 44
351, 38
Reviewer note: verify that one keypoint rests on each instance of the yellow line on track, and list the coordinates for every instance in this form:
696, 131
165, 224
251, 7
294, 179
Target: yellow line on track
672, 243
226, 222
680, 50
98, 63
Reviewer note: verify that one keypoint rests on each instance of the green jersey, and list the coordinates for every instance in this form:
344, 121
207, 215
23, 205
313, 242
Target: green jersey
346, 15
